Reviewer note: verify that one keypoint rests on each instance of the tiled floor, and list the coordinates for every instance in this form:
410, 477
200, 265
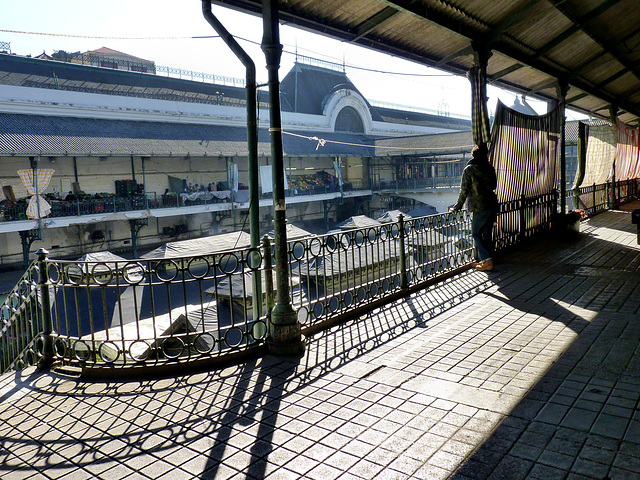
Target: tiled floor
532, 371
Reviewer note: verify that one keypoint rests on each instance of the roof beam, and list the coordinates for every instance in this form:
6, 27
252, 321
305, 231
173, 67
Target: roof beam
512, 17
612, 78
468, 50
596, 12
372, 22
607, 46
506, 71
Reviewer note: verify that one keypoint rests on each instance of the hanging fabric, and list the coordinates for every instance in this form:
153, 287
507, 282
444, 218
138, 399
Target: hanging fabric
480, 126
627, 153
233, 177
525, 151
601, 152
29, 181
337, 165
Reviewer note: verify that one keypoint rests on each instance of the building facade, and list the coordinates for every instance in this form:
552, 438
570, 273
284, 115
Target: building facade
139, 159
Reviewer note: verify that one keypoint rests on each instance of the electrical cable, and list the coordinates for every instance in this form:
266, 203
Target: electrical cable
322, 142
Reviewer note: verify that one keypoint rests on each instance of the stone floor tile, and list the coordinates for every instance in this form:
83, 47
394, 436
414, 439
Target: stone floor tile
589, 468
628, 463
544, 472
301, 464
610, 426
431, 472
323, 472
341, 460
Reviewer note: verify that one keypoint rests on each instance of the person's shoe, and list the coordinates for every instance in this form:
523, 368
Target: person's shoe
485, 266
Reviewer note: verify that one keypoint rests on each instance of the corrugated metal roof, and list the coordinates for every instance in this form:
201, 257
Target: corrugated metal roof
70, 136
592, 45
437, 144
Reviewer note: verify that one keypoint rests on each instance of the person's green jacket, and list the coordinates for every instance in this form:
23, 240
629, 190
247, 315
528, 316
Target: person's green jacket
477, 187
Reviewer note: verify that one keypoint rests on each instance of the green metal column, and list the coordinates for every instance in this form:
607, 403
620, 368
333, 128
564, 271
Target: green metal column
135, 225
285, 337
48, 355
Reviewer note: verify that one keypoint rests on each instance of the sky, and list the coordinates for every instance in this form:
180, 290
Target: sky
174, 33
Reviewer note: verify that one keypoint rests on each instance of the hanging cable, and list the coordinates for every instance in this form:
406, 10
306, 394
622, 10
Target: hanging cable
322, 142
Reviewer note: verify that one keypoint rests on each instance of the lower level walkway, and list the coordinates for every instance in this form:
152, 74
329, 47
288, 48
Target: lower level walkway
531, 371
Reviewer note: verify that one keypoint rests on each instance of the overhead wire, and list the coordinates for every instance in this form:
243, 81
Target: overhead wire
200, 37
323, 141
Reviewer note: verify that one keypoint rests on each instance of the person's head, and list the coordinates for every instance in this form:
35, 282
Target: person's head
480, 152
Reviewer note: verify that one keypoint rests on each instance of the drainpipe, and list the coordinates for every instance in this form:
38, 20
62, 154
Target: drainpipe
285, 337
252, 146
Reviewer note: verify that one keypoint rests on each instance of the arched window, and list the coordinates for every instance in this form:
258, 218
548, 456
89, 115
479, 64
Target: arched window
349, 120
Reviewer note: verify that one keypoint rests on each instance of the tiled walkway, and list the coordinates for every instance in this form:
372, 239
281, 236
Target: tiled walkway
532, 371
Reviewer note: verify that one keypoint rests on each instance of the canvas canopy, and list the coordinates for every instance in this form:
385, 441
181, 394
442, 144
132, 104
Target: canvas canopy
358, 221
293, 233
98, 264
392, 216
201, 246
240, 286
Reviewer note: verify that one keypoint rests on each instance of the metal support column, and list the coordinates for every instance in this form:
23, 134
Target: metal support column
48, 355
563, 87
612, 203
285, 337
27, 237
478, 77
136, 224
144, 184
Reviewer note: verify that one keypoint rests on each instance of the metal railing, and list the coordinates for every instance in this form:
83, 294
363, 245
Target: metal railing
594, 198
151, 200
520, 219
179, 310
417, 183
22, 323
169, 311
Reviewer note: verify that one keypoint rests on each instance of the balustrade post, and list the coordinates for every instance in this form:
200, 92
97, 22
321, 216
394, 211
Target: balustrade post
268, 272
46, 361
618, 188
523, 218
404, 282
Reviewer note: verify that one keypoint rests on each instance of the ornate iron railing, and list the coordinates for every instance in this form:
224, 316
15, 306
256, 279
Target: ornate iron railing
21, 317
520, 219
179, 310
167, 311
594, 198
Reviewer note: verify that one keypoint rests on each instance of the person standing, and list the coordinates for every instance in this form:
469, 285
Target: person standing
477, 189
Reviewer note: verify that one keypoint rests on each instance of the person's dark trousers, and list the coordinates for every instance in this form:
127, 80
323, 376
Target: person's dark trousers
482, 233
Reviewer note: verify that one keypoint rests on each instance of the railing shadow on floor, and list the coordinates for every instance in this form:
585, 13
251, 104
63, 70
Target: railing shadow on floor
202, 410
